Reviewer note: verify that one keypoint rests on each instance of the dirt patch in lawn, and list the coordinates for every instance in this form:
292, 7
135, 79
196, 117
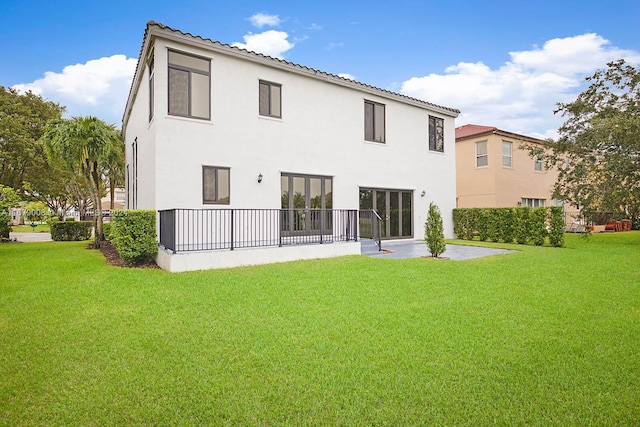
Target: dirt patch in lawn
112, 257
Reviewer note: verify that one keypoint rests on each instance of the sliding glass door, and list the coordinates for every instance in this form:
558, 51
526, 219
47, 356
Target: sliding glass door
306, 201
395, 207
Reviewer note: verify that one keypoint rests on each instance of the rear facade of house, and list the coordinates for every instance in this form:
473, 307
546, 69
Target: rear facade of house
250, 159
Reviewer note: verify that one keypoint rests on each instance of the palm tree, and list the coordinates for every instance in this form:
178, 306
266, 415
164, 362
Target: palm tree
83, 145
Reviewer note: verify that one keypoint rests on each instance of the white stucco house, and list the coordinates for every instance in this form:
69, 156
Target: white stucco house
250, 159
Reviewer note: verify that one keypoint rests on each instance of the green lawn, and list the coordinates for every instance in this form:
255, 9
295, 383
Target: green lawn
26, 228
542, 336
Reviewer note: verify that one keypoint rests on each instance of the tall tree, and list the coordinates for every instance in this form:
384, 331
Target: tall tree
83, 145
22, 121
598, 152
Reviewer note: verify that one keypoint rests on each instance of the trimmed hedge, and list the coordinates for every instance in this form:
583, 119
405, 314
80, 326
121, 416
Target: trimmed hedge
71, 231
524, 225
133, 234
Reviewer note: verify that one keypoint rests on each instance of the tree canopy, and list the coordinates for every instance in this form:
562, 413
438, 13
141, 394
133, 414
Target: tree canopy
86, 147
597, 154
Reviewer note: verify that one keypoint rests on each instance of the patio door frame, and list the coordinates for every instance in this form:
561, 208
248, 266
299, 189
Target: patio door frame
311, 214
392, 212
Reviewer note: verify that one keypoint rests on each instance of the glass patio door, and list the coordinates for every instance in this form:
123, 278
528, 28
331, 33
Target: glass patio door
393, 206
306, 201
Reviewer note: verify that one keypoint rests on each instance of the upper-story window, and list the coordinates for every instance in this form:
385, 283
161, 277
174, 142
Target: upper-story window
482, 157
436, 134
151, 89
270, 103
507, 153
537, 164
373, 121
189, 85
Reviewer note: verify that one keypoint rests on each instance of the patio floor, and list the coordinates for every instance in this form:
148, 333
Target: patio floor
416, 249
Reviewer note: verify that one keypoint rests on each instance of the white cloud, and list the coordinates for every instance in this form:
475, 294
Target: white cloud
347, 76
260, 20
520, 95
272, 43
98, 87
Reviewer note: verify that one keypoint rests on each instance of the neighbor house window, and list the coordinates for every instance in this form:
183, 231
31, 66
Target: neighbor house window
189, 86
151, 92
436, 134
373, 121
506, 153
482, 158
270, 103
533, 203
537, 164
215, 185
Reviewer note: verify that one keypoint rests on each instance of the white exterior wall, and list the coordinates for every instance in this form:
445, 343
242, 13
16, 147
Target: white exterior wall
321, 133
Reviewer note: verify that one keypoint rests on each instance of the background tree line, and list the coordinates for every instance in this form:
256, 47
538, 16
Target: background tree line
62, 163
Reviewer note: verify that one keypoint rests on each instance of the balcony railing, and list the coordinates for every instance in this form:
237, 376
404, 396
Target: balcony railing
184, 230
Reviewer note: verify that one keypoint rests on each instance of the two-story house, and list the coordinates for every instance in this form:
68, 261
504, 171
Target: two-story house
495, 170
250, 159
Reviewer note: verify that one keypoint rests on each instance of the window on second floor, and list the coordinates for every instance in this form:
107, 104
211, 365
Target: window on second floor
151, 88
507, 153
537, 164
189, 86
270, 103
436, 134
482, 156
374, 121
215, 185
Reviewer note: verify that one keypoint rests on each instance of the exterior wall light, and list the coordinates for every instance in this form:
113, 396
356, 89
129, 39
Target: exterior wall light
259, 178
423, 193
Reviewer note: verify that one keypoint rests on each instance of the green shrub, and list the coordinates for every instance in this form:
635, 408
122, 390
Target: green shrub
522, 218
556, 235
434, 231
71, 231
5, 228
507, 220
538, 226
133, 234
69, 219
106, 230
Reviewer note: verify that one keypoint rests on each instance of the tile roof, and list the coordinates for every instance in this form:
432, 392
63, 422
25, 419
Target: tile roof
275, 61
470, 130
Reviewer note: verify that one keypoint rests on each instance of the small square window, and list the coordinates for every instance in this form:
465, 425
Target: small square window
215, 185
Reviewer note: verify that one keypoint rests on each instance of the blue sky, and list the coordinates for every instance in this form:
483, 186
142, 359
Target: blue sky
502, 63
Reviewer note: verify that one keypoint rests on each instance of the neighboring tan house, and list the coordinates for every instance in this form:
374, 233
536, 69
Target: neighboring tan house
493, 170
250, 159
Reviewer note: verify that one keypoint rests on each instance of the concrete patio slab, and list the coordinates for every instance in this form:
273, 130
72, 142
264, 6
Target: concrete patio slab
399, 249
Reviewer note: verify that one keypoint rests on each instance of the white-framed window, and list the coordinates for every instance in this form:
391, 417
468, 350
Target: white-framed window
270, 99
482, 156
374, 121
189, 85
436, 134
537, 164
507, 152
533, 203
215, 185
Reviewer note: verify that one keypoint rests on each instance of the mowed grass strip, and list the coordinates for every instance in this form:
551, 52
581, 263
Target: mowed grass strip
542, 336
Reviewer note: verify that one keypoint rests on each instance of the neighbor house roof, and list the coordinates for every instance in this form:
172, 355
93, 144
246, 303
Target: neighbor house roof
155, 29
475, 131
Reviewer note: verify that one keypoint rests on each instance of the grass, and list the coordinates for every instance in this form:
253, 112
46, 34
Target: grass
543, 336
26, 228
